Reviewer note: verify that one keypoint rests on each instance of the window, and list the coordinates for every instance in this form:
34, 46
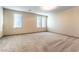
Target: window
41, 22
44, 22
17, 20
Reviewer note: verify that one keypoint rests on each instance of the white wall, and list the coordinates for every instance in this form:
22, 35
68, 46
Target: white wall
65, 22
29, 23
51, 22
1, 21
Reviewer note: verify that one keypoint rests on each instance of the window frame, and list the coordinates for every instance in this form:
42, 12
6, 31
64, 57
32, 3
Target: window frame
14, 20
45, 22
42, 21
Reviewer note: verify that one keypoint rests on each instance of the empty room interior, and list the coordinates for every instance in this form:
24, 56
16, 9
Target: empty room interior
39, 28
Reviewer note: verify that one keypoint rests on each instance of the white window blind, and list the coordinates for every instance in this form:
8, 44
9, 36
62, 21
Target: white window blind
17, 20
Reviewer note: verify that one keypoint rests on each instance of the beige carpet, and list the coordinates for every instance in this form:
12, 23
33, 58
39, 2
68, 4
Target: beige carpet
39, 42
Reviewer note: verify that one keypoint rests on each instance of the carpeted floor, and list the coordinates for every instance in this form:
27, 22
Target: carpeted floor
39, 42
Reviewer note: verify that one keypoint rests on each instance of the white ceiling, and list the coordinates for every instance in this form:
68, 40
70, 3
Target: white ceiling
37, 9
